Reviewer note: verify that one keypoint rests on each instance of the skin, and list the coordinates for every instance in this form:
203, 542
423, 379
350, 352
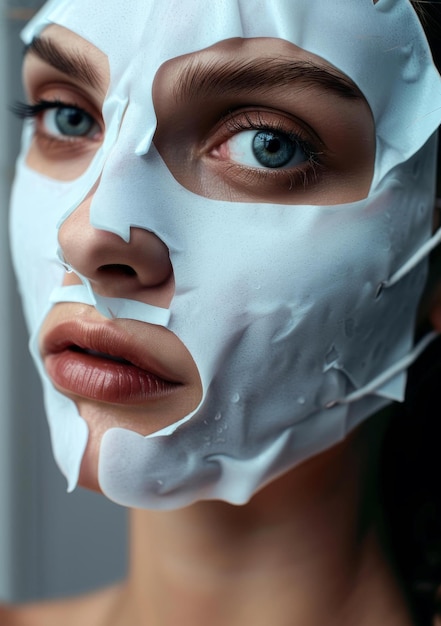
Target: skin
206, 156
306, 549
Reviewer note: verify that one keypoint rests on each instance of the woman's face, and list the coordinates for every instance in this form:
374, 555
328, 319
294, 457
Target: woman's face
226, 204
256, 120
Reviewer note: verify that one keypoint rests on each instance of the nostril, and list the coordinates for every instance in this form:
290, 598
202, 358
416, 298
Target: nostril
117, 269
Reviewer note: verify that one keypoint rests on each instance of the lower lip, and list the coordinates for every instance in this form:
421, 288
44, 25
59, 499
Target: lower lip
105, 380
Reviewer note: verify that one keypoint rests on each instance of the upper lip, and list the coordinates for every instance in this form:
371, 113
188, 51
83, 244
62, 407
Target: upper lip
107, 339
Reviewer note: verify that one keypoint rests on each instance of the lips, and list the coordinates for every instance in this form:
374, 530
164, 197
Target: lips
103, 363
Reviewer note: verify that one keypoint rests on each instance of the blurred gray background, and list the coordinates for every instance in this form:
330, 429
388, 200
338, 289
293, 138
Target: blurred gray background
51, 543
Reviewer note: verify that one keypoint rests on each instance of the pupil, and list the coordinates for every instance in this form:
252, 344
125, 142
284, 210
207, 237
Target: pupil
273, 149
272, 145
74, 118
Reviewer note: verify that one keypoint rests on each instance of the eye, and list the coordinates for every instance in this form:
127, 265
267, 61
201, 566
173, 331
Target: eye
60, 121
68, 121
266, 143
266, 148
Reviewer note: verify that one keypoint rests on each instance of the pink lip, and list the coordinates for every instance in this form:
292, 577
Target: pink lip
101, 363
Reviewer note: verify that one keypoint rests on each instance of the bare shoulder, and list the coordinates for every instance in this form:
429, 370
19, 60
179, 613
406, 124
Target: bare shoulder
95, 609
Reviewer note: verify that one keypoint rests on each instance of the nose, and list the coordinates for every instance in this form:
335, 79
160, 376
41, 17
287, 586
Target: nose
139, 269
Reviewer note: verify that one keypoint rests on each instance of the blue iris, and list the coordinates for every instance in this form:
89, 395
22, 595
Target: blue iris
273, 149
73, 122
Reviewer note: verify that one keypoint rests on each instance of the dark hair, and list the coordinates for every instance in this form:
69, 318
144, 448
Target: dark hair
411, 486
410, 467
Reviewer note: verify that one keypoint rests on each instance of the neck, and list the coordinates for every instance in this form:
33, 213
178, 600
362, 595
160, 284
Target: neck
304, 551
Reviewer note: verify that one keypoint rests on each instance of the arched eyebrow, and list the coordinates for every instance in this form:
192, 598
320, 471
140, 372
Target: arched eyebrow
205, 79
72, 63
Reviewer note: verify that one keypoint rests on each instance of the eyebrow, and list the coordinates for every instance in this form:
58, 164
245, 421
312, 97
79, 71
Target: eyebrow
72, 63
199, 79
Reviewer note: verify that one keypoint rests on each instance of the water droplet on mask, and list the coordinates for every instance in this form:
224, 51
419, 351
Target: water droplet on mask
301, 400
160, 483
258, 287
235, 399
218, 417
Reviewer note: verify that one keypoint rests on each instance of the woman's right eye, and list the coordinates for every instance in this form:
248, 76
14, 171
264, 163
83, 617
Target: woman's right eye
266, 148
67, 121
60, 121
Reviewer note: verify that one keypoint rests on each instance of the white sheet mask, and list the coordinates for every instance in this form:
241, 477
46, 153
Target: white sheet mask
299, 318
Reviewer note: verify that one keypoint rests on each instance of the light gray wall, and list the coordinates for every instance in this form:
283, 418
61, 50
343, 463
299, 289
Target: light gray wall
51, 543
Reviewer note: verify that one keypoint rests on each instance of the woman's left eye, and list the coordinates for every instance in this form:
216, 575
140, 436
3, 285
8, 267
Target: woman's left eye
266, 148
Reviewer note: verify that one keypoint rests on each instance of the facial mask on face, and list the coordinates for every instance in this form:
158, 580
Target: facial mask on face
298, 318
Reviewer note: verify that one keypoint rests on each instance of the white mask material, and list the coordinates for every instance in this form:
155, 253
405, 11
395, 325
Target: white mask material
295, 342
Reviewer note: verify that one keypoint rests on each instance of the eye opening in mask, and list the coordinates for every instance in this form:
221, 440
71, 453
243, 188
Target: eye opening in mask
234, 86
65, 82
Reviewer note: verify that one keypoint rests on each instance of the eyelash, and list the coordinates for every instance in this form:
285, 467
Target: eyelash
303, 174
24, 110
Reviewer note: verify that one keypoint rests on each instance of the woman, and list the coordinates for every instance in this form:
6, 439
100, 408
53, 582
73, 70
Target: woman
231, 207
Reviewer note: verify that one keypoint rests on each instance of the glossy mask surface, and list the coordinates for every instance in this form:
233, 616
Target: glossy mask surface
279, 304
